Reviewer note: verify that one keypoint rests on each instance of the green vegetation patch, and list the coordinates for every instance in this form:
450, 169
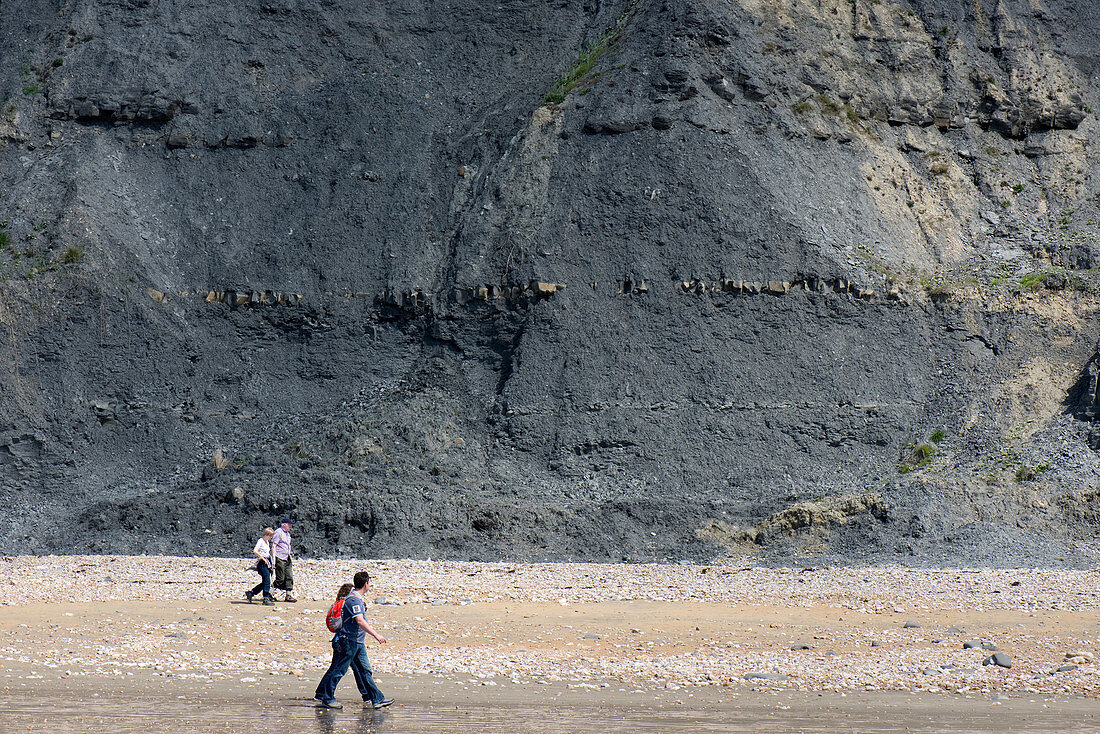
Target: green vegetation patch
916, 456
1027, 473
72, 255
832, 107
1033, 281
588, 57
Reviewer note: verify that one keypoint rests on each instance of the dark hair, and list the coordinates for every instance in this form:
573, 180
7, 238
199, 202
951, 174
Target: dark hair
361, 579
343, 591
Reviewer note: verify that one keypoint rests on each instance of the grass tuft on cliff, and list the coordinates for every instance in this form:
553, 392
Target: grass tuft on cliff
588, 57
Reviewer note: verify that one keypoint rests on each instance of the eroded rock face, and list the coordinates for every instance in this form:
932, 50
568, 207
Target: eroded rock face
746, 261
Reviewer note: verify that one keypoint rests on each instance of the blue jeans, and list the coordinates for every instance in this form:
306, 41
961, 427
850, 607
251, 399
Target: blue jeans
265, 584
356, 670
347, 653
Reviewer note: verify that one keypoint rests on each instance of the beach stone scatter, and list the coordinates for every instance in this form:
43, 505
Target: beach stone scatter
998, 658
644, 627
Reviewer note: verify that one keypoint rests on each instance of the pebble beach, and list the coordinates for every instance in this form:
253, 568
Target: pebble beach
631, 629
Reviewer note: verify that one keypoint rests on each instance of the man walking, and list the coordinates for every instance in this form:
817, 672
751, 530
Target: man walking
284, 569
351, 650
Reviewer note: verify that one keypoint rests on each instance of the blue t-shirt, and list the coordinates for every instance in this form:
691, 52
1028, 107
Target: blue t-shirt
349, 628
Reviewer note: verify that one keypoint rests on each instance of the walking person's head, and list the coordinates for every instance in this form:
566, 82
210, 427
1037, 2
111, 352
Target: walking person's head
343, 591
361, 579
285, 524
268, 533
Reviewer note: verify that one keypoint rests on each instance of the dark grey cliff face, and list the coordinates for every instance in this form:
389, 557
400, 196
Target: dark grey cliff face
783, 280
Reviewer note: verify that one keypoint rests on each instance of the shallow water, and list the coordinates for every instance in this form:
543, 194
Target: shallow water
755, 713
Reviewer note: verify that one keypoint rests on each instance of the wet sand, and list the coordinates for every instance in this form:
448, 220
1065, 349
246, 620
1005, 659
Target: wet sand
430, 705
113, 644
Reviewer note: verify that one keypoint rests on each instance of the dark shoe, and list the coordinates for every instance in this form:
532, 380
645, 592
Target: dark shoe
383, 703
332, 703
290, 598
248, 595
269, 602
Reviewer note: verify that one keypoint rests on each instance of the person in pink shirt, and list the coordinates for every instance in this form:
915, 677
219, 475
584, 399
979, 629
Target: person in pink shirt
284, 567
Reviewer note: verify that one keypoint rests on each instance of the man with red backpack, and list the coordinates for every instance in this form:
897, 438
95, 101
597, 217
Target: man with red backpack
349, 650
334, 621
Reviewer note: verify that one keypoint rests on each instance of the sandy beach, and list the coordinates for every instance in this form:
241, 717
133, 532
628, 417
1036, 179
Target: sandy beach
684, 637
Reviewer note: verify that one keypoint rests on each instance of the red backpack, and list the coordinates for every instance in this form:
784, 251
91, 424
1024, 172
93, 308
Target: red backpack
334, 620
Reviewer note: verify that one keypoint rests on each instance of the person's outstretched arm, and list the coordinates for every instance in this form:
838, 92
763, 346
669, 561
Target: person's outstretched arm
368, 629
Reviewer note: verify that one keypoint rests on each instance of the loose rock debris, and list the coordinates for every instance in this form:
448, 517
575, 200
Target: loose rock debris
588, 626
